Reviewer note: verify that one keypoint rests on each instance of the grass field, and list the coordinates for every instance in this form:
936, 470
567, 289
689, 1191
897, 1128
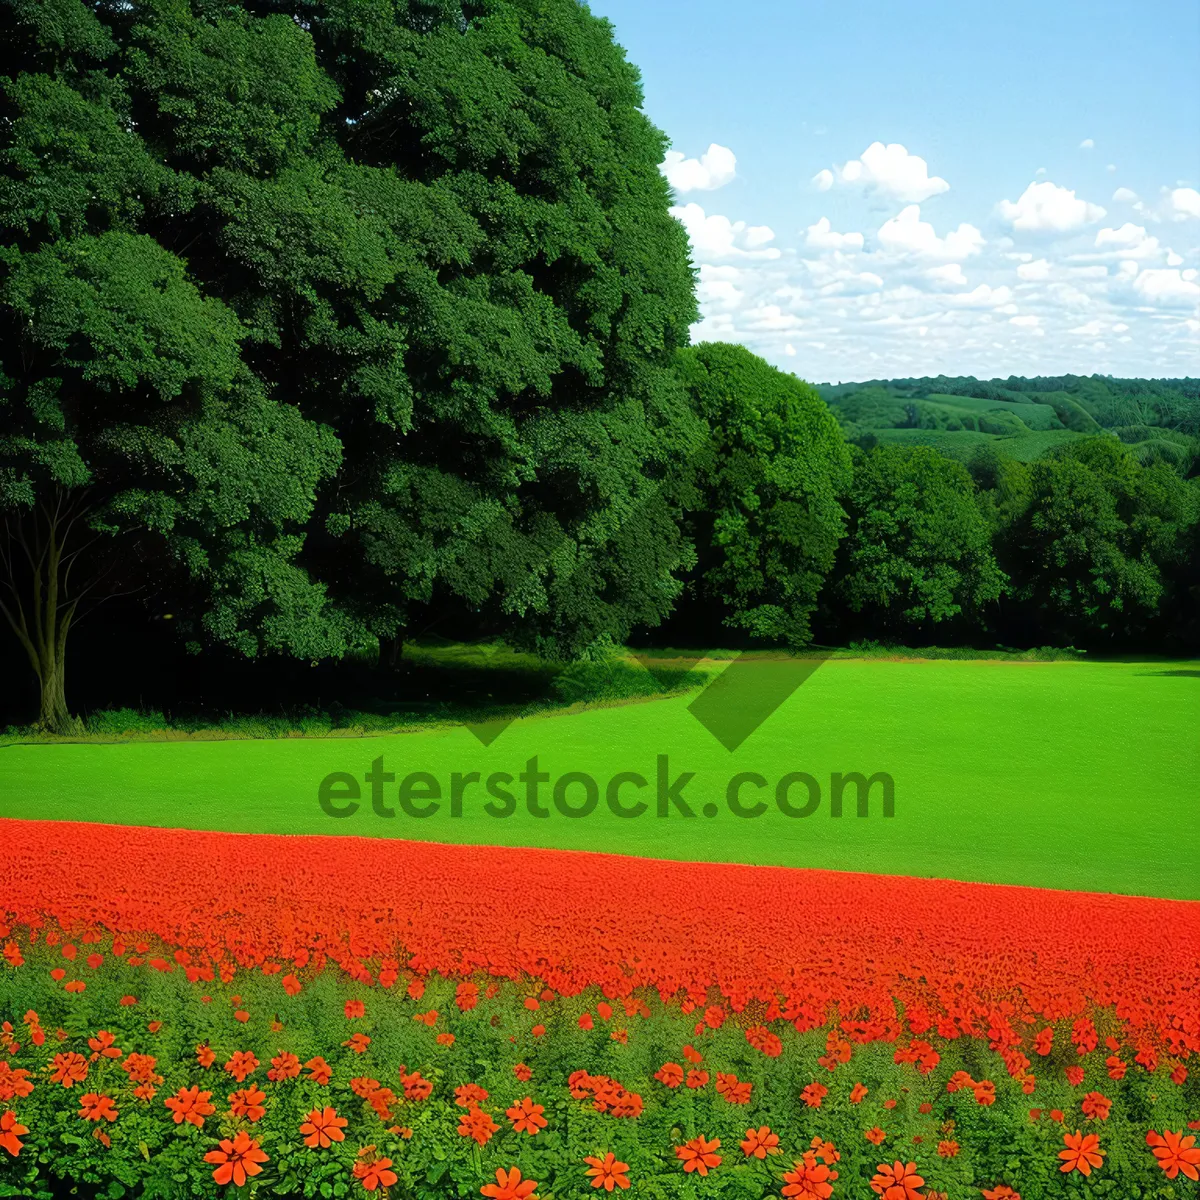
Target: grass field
1062, 775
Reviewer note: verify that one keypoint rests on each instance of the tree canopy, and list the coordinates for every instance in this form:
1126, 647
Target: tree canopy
357, 315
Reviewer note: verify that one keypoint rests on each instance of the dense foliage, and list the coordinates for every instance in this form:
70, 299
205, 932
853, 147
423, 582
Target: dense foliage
766, 516
348, 319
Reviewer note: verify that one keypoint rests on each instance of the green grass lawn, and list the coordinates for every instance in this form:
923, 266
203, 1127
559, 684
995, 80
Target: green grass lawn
1067, 775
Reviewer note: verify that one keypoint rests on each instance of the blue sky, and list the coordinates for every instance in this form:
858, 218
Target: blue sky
909, 189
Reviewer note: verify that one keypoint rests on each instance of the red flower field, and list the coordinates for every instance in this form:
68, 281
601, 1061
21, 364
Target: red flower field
961, 957
216, 1008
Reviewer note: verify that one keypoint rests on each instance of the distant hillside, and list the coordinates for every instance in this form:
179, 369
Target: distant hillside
1023, 418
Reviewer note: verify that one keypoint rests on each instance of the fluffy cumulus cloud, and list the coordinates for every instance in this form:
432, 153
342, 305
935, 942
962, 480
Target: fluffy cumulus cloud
1048, 208
888, 170
906, 233
716, 167
1124, 195
718, 237
1184, 203
916, 295
1087, 144
821, 236
1168, 286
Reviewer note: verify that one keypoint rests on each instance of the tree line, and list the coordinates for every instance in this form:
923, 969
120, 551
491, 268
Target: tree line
320, 320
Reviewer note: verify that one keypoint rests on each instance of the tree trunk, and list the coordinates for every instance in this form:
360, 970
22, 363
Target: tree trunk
35, 569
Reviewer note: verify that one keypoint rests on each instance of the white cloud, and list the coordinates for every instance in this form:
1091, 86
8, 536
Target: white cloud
1086, 144
718, 237
837, 275
1120, 327
1168, 286
1124, 195
1034, 270
1047, 208
906, 233
1028, 321
890, 170
790, 350
821, 236
1130, 241
1173, 259
1090, 329
716, 167
823, 181
1040, 171
947, 277
1111, 168
1185, 202
759, 235
982, 296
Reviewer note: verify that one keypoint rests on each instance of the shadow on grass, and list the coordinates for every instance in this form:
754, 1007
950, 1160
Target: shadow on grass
1183, 673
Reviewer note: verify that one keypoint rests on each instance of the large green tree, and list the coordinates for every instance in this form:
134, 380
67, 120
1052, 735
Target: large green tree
360, 312
918, 551
765, 487
1092, 547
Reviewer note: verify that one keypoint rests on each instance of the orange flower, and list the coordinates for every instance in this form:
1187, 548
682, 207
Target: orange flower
478, 1125
319, 1071
1096, 1105
813, 1094
858, 1093
697, 1155
523, 1073
358, 1042
1175, 1153
322, 1127
68, 1069
1082, 1153
696, 1079
248, 1102
14, 1081
466, 996
237, 1159
468, 1095
445, 1039
760, 1142
205, 1056
355, 1008
96, 1106
899, 1181
10, 1133
190, 1105
241, 1064
608, 1172
373, 1172
526, 1116
416, 1086
809, 1179
1001, 1192
669, 1075
875, 1136
102, 1045
509, 1185
947, 1149
284, 1066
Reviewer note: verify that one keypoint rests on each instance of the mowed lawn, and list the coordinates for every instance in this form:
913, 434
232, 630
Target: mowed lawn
1063, 775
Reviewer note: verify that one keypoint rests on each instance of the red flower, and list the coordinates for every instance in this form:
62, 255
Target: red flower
669, 1075
10, 1133
1175, 1153
319, 1071
526, 1116
697, 1155
322, 1127
858, 1093
284, 1065
241, 1064
248, 1103
97, 1107
809, 1179
509, 1185
478, 1125
190, 1105
607, 1172
760, 1142
1097, 1106
237, 1160
1082, 1153
899, 1181
68, 1069
875, 1136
